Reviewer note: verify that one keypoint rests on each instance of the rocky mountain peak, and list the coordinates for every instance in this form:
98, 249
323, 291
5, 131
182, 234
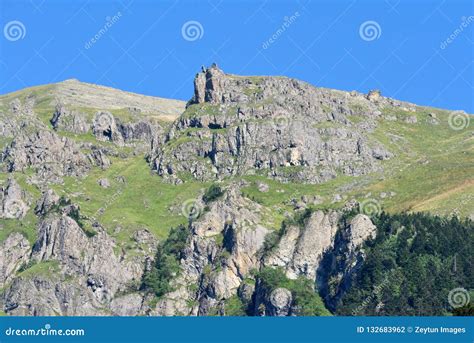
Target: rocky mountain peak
291, 129
209, 85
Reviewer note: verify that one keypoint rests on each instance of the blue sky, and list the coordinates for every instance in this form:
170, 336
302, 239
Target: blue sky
142, 46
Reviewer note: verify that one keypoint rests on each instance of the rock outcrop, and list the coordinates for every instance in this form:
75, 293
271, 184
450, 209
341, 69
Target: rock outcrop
14, 253
50, 155
227, 245
69, 120
105, 128
342, 262
301, 249
46, 202
235, 125
82, 274
279, 303
223, 248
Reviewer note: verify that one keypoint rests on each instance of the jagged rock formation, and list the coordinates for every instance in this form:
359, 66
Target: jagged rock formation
46, 202
84, 275
51, 155
227, 243
222, 250
107, 128
345, 259
72, 121
15, 250
286, 128
301, 248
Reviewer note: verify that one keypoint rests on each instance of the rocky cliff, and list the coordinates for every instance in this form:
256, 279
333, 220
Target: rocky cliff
285, 128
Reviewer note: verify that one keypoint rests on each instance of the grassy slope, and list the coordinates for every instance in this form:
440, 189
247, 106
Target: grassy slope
434, 168
432, 171
143, 200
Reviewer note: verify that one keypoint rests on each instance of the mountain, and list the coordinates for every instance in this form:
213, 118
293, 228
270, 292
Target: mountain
260, 196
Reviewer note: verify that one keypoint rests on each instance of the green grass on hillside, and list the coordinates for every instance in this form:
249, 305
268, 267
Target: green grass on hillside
433, 167
45, 268
142, 201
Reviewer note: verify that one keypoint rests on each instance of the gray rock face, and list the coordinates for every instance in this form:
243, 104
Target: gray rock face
25, 108
360, 229
127, 305
140, 131
72, 121
63, 240
300, 250
12, 201
60, 239
48, 199
292, 130
226, 243
83, 276
217, 268
14, 252
108, 128
99, 157
52, 156
347, 248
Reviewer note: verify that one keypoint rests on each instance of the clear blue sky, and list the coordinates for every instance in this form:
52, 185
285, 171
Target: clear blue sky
144, 50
